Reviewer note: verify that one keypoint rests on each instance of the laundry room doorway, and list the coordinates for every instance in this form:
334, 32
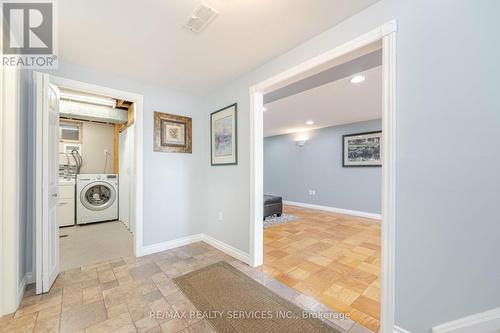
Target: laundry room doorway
88, 176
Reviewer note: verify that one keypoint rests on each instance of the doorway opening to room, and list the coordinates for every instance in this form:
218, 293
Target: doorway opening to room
322, 176
322, 185
86, 176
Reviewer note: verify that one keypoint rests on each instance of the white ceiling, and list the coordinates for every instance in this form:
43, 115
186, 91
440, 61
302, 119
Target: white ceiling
146, 41
335, 103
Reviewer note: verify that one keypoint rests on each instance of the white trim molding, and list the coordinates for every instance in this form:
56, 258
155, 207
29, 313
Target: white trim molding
20, 290
221, 246
28, 278
389, 112
9, 193
227, 249
138, 100
398, 329
171, 244
385, 33
358, 213
484, 322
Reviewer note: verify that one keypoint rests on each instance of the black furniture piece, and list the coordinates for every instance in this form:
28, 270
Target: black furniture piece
272, 205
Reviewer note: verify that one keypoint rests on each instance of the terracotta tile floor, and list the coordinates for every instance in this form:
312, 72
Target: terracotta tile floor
332, 257
119, 296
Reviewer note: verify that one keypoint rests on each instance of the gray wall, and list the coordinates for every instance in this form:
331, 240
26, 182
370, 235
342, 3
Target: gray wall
448, 186
292, 171
447, 183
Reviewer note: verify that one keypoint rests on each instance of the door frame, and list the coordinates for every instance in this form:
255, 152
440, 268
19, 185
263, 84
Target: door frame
138, 154
385, 33
11, 283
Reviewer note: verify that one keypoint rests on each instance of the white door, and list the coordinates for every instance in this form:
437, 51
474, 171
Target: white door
131, 172
124, 179
47, 227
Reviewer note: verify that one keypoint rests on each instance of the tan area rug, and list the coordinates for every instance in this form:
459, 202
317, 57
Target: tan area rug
233, 302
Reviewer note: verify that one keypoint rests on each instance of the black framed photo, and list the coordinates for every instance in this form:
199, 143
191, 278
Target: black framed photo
362, 149
224, 136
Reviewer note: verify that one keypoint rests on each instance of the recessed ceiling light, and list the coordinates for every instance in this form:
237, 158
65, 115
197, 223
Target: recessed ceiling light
264, 109
357, 79
309, 122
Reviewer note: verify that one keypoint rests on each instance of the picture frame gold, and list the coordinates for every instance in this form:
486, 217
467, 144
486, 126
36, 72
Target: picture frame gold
172, 133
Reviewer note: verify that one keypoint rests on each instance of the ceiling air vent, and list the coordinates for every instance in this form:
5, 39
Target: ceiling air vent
201, 17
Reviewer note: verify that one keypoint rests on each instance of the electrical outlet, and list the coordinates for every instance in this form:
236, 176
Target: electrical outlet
106, 151
312, 192
220, 216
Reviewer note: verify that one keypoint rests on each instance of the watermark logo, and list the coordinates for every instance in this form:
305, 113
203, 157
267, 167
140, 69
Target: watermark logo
29, 34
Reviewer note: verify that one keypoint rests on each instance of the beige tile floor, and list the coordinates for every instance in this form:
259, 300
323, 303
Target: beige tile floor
91, 243
119, 295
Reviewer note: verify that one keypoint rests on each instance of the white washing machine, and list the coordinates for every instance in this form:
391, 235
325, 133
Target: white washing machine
96, 198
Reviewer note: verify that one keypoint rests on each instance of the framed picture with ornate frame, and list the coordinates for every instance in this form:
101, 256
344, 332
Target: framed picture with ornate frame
362, 149
172, 133
224, 136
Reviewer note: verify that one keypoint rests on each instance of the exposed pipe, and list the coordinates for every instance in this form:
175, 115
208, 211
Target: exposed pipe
78, 159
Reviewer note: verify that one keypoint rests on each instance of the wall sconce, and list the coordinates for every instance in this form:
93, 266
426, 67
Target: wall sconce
301, 143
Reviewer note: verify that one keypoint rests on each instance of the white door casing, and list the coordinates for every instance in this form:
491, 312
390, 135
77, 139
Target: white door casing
385, 33
136, 200
10, 261
135, 209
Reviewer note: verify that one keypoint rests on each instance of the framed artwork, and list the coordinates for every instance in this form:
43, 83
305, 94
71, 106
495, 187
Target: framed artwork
172, 133
224, 136
362, 149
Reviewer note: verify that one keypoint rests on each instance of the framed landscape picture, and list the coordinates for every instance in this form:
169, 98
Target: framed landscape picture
172, 133
224, 136
362, 149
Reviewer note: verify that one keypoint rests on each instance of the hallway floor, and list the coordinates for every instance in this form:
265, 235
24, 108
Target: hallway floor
332, 257
85, 244
120, 295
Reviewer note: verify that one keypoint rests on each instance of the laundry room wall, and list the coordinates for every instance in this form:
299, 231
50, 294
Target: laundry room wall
96, 138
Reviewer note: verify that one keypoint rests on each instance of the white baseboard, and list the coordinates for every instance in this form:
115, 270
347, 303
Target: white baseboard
484, 322
20, 289
163, 246
335, 210
227, 249
30, 278
398, 329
